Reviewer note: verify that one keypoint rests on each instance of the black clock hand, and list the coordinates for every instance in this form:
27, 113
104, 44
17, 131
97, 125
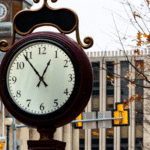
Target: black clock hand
44, 72
41, 79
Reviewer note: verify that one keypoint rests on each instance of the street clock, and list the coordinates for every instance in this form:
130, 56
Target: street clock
45, 80
45, 77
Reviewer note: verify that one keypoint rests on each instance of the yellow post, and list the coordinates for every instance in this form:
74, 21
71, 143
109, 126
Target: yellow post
1, 145
120, 107
116, 115
79, 124
120, 112
124, 114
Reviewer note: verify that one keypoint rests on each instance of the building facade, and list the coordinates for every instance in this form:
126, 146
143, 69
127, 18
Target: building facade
107, 90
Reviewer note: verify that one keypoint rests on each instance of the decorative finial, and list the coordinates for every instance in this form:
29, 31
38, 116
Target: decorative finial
37, 1
53, 1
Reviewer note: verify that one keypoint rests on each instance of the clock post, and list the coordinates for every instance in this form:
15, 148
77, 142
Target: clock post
45, 77
46, 140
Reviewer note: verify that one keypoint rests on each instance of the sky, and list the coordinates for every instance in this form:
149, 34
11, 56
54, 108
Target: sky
97, 18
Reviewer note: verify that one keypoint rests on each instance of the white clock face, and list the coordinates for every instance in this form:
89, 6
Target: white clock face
3, 11
40, 78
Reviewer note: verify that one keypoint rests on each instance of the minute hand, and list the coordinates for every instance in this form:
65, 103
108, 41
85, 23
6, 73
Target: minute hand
44, 72
35, 70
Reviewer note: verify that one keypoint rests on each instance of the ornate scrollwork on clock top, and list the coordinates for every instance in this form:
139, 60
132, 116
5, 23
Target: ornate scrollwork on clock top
65, 20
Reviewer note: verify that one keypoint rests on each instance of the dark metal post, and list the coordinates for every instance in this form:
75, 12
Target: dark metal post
8, 126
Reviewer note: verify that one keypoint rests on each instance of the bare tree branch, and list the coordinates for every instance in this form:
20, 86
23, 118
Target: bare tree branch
135, 17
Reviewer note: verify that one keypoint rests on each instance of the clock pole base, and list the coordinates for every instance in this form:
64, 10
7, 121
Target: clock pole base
46, 145
46, 141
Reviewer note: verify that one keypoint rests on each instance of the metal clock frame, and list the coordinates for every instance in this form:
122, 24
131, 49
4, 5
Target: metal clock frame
82, 90
71, 17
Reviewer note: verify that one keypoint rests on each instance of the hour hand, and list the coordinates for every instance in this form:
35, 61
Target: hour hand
41, 78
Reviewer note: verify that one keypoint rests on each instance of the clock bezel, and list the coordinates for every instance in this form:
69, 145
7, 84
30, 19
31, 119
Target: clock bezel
82, 89
10, 99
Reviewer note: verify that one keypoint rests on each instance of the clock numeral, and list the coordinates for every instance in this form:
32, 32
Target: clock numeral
70, 77
14, 79
28, 100
42, 107
66, 91
20, 65
56, 102
66, 63
18, 94
56, 54
29, 55
43, 49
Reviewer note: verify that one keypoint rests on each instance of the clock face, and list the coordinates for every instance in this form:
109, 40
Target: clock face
40, 78
3, 11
